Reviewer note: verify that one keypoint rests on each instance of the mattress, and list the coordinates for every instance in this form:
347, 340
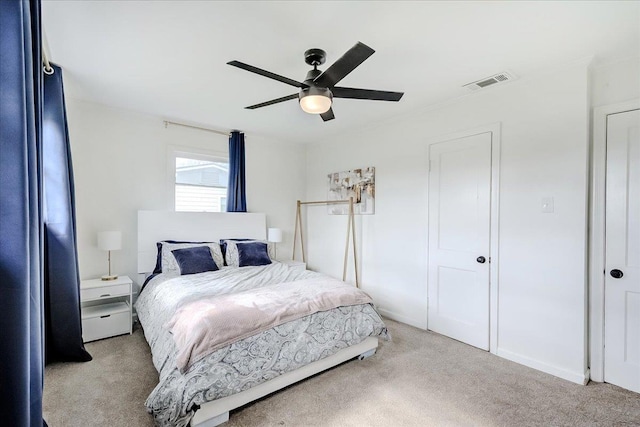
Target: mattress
246, 362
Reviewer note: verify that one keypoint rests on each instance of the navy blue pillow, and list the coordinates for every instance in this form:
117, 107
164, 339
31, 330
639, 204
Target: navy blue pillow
252, 254
194, 260
223, 247
158, 267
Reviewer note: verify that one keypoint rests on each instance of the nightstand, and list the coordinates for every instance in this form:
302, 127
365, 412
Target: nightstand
105, 307
299, 265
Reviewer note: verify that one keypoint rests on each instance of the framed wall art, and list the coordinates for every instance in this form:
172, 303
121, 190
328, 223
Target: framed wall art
357, 183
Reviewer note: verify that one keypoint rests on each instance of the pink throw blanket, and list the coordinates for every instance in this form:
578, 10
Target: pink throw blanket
201, 327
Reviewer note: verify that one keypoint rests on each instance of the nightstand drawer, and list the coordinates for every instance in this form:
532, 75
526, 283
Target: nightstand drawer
106, 320
104, 292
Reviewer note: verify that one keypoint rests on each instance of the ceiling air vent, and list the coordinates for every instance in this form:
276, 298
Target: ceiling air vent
490, 81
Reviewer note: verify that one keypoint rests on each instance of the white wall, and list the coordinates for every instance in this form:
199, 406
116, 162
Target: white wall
542, 279
616, 82
120, 161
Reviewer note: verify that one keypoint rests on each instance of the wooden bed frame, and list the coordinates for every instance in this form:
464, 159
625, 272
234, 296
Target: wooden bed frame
154, 226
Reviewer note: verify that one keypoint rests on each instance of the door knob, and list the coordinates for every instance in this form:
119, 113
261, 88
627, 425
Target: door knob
482, 259
616, 274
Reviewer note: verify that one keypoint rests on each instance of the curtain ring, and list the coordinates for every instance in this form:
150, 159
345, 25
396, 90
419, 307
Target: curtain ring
48, 70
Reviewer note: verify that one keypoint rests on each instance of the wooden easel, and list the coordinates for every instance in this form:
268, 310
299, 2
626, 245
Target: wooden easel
351, 233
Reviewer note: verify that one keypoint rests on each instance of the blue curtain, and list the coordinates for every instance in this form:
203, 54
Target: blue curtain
236, 192
61, 278
21, 231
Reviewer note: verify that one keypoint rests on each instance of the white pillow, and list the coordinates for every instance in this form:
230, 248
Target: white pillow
169, 263
232, 256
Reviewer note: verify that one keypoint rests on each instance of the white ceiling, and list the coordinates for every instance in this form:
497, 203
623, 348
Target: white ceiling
168, 58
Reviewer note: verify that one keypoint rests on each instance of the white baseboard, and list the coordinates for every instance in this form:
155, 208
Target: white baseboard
421, 323
574, 377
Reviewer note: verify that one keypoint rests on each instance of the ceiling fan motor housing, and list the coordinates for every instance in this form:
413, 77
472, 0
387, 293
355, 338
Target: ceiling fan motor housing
313, 89
311, 75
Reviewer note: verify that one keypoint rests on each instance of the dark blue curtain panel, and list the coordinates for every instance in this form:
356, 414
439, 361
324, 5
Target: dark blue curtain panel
61, 279
21, 230
236, 191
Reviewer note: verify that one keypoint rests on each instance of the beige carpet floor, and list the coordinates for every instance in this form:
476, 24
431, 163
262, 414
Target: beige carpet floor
418, 379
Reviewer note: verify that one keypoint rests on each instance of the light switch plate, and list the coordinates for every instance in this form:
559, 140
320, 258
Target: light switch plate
547, 205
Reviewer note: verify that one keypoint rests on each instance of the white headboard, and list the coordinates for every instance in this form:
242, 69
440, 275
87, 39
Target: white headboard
154, 226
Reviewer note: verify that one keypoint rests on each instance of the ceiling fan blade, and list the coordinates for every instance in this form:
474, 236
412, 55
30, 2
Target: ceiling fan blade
344, 65
265, 73
328, 115
273, 101
375, 95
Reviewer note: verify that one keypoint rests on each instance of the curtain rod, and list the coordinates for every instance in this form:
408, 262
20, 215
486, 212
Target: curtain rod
48, 69
168, 122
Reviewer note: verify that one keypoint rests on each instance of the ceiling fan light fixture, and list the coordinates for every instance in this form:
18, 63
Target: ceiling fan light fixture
319, 87
314, 100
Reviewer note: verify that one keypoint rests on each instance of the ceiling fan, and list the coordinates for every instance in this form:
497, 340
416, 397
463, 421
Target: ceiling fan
318, 89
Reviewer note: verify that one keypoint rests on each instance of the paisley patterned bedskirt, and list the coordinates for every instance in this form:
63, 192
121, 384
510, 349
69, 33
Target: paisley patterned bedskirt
245, 363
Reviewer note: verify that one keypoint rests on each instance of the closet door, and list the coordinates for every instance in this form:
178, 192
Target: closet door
622, 282
459, 238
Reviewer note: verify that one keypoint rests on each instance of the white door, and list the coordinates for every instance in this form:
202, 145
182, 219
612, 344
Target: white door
459, 237
622, 282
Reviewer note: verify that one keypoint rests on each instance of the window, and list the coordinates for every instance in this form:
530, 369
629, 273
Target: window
200, 183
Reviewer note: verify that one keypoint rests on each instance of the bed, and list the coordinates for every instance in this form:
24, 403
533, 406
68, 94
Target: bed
210, 365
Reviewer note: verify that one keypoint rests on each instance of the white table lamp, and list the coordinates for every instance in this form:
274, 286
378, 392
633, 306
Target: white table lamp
110, 241
274, 235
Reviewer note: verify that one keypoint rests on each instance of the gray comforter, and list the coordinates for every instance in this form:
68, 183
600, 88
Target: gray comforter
247, 362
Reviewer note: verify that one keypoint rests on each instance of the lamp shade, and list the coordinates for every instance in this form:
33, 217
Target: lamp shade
274, 235
314, 100
110, 240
